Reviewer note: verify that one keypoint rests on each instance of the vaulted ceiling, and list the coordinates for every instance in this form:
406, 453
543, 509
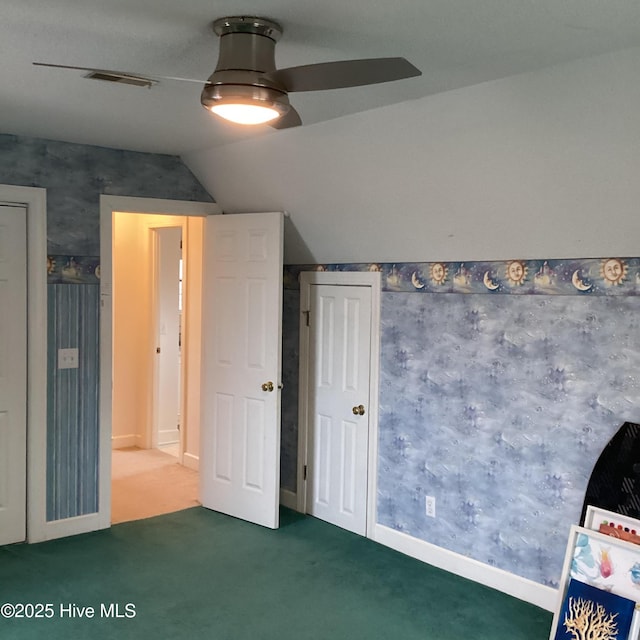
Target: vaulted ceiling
455, 43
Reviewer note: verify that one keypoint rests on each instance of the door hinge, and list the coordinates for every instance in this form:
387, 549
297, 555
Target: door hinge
305, 471
306, 315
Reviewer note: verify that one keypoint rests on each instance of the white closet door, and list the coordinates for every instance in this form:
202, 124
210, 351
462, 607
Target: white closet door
13, 373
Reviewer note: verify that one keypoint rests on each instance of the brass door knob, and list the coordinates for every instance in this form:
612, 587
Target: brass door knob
358, 411
267, 386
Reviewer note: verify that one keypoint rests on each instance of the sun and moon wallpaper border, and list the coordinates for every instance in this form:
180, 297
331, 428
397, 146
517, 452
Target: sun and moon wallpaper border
590, 276
73, 269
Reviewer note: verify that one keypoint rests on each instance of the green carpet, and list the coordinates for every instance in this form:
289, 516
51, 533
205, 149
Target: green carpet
198, 574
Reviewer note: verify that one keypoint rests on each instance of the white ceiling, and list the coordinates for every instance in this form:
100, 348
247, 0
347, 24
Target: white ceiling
455, 43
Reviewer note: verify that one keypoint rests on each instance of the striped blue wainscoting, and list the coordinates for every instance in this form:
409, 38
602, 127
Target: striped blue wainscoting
72, 401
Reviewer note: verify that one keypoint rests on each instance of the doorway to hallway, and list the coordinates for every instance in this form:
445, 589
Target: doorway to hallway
156, 344
261, 237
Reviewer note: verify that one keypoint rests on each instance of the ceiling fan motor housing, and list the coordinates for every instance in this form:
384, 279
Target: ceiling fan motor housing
247, 54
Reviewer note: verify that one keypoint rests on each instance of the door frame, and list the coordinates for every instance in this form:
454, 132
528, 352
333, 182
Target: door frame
108, 206
339, 278
35, 201
151, 436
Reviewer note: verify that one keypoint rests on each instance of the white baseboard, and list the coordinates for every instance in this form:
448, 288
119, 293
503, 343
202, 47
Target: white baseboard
69, 527
509, 583
289, 499
190, 461
168, 436
122, 442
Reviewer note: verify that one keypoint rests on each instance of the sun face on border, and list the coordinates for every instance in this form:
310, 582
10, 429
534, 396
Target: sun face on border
438, 272
613, 271
516, 272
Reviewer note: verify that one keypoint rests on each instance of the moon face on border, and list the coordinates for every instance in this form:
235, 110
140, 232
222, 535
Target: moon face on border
415, 281
577, 283
489, 283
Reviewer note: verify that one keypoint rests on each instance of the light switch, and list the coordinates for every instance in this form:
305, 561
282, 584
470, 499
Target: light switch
67, 358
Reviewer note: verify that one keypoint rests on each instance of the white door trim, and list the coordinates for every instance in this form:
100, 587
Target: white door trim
344, 278
108, 206
35, 200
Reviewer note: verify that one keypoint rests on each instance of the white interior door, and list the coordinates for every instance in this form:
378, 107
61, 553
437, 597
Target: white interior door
168, 389
13, 373
340, 337
241, 367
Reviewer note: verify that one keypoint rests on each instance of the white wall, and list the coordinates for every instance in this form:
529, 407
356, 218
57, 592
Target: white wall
131, 333
541, 165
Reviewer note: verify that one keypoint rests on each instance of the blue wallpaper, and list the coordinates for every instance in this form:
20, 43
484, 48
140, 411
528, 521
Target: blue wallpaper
499, 407
75, 175
72, 402
289, 414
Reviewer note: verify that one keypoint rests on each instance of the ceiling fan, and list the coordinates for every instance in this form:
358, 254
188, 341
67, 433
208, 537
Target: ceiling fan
247, 88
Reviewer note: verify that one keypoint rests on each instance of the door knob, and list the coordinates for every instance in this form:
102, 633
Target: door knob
358, 411
267, 386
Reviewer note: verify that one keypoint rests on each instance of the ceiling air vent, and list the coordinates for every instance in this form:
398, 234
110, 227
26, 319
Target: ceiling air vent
122, 78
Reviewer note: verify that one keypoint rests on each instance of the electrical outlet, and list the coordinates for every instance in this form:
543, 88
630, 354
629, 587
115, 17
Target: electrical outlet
430, 506
67, 358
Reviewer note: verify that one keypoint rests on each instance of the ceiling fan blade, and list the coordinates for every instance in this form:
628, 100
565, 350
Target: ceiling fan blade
290, 119
342, 74
121, 74
65, 66
106, 74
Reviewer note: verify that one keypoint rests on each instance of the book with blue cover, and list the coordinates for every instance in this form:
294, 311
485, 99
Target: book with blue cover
589, 612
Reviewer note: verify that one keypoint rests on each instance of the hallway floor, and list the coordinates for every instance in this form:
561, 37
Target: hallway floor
149, 482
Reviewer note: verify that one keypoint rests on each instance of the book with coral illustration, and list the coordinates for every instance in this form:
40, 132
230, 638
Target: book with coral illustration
595, 614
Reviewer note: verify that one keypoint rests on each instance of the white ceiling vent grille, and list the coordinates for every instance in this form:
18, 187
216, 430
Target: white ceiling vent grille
122, 78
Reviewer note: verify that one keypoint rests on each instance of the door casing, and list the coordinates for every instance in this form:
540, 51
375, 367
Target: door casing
160, 364
338, 278
35, 201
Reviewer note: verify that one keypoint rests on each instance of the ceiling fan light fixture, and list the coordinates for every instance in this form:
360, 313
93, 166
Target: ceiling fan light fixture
245, 113
242, 104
